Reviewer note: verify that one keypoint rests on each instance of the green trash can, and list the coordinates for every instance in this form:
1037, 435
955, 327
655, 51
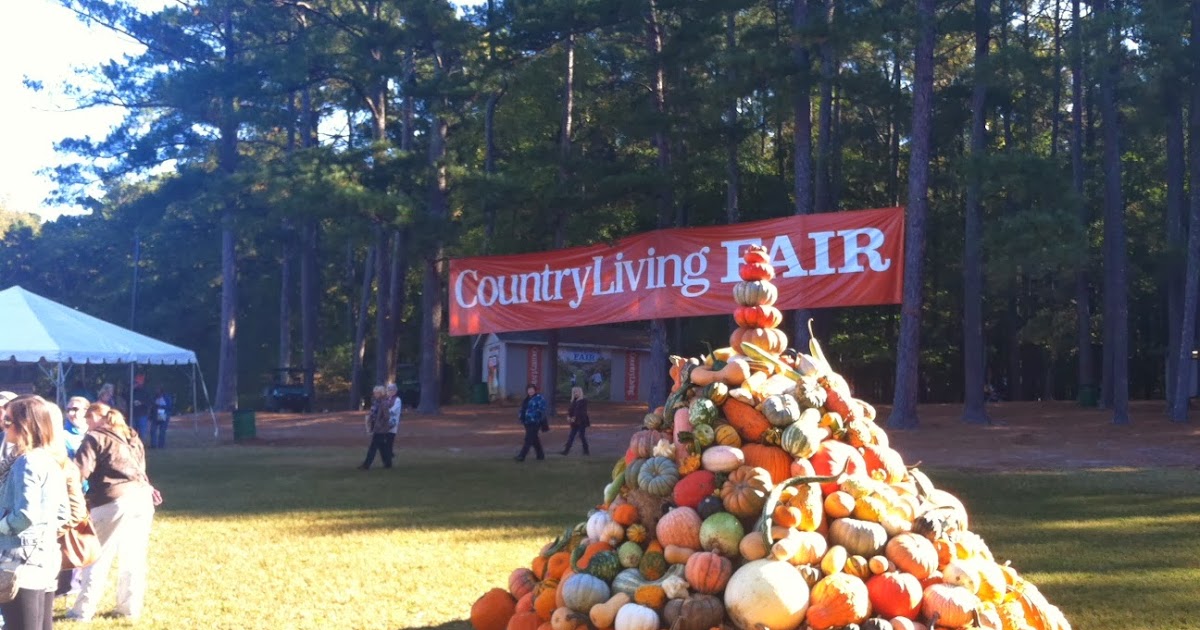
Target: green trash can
479, 394
243, 425
1089, 396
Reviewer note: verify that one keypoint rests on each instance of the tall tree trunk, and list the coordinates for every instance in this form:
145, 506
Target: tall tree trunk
398, 292
1175, 229
358, 351
802, 141
1056, 98
825, 114
1083, 298
732, 170
309, 270
1116, 289
431, 283
383, 318
227, 366
1184, 379
560, 213
665, 198
974, 350
287, 245
894, 130
285, 300
904, 405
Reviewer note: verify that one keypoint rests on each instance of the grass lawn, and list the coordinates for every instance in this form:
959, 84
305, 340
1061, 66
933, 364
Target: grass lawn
256, 537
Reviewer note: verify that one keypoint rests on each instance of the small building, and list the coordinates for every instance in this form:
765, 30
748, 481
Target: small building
609, 363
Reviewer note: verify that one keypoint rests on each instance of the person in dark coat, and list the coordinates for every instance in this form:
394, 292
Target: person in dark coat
577, 415
533, 418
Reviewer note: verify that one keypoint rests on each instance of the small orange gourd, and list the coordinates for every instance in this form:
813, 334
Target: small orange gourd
750, 424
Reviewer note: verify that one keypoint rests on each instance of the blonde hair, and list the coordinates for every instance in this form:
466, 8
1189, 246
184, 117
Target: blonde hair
33, 419
576, 393
111, 419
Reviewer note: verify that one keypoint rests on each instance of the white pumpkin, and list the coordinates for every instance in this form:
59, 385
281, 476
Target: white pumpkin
722, 459
636, 617
962, 573
596, 524
768, 592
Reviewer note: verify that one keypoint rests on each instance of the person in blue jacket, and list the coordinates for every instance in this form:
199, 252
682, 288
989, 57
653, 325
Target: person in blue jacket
533, 418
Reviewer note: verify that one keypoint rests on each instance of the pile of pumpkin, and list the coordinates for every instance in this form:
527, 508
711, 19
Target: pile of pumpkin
762, 494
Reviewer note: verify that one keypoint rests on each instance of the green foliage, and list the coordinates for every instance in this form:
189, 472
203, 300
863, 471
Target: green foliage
303, 85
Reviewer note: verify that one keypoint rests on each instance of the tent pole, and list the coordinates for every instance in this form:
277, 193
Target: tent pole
60, 395
195, 407
130, 401
208, 401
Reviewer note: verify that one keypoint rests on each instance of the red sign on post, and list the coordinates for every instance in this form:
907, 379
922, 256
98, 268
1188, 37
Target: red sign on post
631, 376
533, 369
821, 260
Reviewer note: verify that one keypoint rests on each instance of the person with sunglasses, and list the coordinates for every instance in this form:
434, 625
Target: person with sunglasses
75, 424
34, 504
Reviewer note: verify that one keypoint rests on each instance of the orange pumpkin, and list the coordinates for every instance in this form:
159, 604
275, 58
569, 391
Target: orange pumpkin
838, 600
770, 340
758, 316
751, 271
912, 553
749, 422
707, 572
680, 527
493, 610
895, 594
544, 603
525, 603
557, 564
776, 461
831, 457
625, 514
539, 567
590, 551
884, 463
524, 621
520, 582
745, 491
756, 254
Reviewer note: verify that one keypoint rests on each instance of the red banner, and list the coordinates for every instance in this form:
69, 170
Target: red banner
631, 376
821, 260
533, 370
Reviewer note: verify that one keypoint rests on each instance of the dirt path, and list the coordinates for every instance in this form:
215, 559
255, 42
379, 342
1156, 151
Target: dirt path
1026, 435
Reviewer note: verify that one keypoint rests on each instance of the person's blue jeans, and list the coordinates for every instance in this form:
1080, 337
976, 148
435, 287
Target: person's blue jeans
141, 424
158, 434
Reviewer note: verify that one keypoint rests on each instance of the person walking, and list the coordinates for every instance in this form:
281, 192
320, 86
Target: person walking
112, 459
377, 426
33, 501
533, 418
395, 407
160, 416
577, 415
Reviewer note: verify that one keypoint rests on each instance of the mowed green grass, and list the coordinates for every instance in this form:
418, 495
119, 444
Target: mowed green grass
256, 537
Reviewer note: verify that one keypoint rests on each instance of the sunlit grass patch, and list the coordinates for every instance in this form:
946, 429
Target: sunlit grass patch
298, 538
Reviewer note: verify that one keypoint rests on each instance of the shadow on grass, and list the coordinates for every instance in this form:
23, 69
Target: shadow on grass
458, 624
419, 492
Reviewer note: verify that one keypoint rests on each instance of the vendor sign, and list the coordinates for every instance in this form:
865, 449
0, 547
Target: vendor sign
829, 259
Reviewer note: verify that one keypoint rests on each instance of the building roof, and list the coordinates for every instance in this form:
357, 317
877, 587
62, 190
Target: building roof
588, 336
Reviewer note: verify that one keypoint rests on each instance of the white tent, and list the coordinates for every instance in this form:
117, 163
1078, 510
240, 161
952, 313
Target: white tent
34, 329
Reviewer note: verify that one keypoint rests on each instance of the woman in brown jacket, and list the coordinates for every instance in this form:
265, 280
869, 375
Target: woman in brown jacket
113, 461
